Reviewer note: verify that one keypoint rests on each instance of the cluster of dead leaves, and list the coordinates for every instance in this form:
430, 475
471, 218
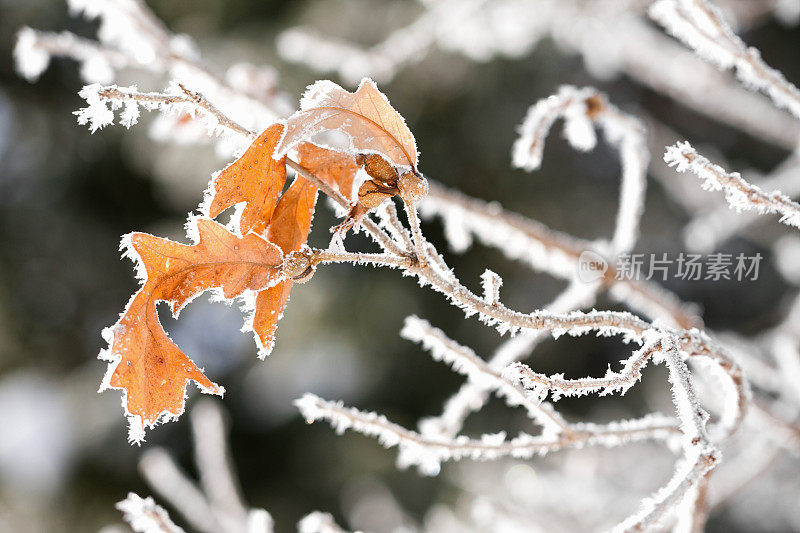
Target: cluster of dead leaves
248, 258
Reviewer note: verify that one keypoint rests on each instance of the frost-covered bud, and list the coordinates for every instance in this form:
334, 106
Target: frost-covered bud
595, 105
298, 266
413, 187
371, 194
378, 168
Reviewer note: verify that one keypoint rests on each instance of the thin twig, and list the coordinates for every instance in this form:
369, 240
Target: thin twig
428, 452
702, 27
189, 97
739, 193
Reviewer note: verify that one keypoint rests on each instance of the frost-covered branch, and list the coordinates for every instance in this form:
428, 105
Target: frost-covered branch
700, 25
496, 314
464, 361
740, 194
700, 454
583, 109
708, 229
34, 49
428, 452
145, 516
544, 249
558, 386
218, 507
472, 396
318, 522
104, 100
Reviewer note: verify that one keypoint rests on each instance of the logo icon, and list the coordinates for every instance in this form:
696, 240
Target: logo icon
591, 266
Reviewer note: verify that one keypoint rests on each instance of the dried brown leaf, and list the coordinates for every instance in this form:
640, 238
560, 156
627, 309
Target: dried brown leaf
366, 116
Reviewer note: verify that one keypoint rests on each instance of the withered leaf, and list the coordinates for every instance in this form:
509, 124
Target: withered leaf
289, 230
337, 169
255, 178
143, 361
366, 116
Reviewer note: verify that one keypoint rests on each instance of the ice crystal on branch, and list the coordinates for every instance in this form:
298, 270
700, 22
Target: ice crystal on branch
491, 283
98, 113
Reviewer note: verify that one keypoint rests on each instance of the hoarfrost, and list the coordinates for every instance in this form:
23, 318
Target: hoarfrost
145, 516
739, 194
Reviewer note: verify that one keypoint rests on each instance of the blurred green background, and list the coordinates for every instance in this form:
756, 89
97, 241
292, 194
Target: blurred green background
67, 196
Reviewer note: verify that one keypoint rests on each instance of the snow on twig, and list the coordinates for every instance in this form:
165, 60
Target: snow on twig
558, 386
464, 361
700, 454
583, 109
145, 516
429, 452
216, 505
103, 101
318, 522
700, 25
739, 194
472, 395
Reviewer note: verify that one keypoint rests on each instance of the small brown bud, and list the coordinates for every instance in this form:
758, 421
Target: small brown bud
378, 168
594, 106
413, 187
372, 194
297, 266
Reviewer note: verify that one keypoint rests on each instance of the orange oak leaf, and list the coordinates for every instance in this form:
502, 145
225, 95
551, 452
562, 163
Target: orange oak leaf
255, 178
288, 229
337, 169
143, 361
366, 116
